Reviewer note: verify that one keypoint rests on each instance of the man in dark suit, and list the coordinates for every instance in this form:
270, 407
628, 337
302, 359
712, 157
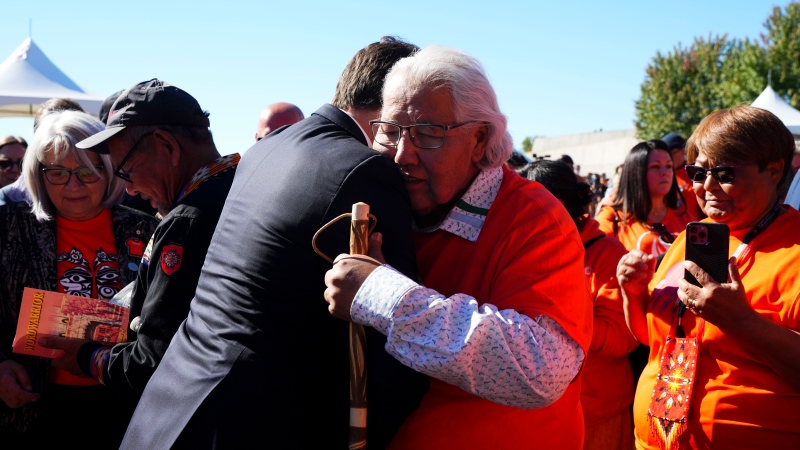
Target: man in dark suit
259, 361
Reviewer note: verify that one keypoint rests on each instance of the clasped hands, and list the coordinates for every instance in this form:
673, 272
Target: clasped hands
347, 275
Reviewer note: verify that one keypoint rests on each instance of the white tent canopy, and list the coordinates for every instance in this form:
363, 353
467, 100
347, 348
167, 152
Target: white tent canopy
28, 79
773, 103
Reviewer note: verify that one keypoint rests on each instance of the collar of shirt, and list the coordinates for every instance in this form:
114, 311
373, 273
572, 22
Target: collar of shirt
468, 215
366, 136
208, 171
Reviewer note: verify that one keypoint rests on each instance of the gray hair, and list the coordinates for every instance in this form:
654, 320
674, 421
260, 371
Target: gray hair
58, 132
473, 97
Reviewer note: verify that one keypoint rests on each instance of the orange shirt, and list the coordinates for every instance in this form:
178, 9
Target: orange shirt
529, 258
87, 265
635, 235
739, 402
607, 387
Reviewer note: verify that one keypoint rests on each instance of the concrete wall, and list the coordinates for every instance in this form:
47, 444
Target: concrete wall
596, 152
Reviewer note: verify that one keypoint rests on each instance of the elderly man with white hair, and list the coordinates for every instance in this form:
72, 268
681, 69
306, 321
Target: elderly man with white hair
502, 319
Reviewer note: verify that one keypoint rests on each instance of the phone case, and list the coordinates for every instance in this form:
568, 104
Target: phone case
707, 246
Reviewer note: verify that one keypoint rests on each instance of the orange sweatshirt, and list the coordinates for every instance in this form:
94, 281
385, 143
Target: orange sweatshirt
607, 378
739, 401
529, 258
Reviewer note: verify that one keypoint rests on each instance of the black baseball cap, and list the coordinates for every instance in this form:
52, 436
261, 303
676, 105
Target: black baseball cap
674, 140
105, 108
151, 102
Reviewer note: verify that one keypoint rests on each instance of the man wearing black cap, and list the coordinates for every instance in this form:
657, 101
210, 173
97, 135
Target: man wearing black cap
260, 362
677, 147
160, 144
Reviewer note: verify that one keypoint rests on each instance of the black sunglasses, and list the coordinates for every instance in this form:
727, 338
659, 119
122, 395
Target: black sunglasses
723, 174
6, 164
118, 171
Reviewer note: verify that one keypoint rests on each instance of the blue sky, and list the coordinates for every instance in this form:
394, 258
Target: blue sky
558, 67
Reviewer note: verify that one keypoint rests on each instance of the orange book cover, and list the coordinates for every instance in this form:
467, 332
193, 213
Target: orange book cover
47, 313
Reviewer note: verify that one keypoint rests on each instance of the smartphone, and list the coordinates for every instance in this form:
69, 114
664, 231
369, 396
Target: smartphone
707, 246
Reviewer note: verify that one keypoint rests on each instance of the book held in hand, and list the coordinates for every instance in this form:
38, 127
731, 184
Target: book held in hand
47, 313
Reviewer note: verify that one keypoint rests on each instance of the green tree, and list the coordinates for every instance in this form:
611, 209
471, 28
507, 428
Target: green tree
527, 144
680, 88
782, 41
688, 83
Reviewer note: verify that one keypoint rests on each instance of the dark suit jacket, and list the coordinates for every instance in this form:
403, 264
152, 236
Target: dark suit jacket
260, 361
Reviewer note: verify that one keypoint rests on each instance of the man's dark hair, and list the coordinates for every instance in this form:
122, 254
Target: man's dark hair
361, 83
517, 159
561, 181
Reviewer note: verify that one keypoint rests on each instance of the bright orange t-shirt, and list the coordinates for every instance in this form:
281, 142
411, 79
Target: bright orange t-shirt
607, 387
87, 266
635, 235
739, 402
529, 258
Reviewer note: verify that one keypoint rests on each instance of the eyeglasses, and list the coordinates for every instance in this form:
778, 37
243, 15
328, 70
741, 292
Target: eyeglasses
60, 176
723, 174
423, 135
7, 164
118, 171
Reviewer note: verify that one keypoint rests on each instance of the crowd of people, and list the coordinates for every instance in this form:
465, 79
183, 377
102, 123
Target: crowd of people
504, 303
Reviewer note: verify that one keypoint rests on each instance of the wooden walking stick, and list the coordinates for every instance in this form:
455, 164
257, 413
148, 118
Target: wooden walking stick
359, 238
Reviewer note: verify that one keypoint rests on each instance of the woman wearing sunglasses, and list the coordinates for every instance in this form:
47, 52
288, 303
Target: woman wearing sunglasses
12, 149
724, 364
71, 238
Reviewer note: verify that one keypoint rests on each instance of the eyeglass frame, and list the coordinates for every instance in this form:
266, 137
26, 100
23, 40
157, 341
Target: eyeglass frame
714, 171
118, 171
11, 163
71, 172
444, 128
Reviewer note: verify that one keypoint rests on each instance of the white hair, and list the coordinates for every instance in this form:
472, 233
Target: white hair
473, 97
57, 133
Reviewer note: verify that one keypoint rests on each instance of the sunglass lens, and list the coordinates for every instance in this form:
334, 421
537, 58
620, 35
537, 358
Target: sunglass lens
724, 174
696, 174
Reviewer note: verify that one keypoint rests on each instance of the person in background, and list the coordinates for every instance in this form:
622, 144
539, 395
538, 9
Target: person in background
54, 105
646, 214
611, 189
742, 389
74, 238
275, 116
677, 148
517, 161
501, 320
12, 150
607, 388
16, 191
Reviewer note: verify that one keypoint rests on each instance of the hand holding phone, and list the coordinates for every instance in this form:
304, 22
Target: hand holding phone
707, 246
